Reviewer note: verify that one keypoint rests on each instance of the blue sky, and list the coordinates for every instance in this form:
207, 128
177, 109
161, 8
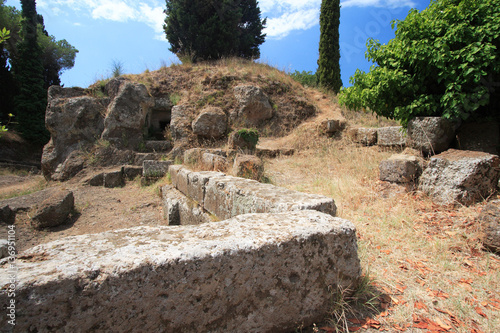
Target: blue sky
130, 32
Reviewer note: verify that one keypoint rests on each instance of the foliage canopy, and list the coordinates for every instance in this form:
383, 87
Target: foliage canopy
31, 60
200, 30
444, 61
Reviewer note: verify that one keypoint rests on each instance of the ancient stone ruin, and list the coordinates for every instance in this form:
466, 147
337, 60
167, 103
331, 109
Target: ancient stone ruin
270, 264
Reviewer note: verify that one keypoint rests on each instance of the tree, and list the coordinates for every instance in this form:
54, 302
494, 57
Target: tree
56, 56
31, 100
329, 49
200, 30
444, 61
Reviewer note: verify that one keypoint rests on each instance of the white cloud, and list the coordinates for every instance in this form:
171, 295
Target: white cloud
378, 3
280, 27
114, 11
284, 16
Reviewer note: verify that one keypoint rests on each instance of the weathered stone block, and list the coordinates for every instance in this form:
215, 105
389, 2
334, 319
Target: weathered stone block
228, 196
254, 273
431, 135
401, 168
333, 126
197, 182
364, 136
391, 136
130, 172
54, 210
254, 105
179, 209
114, 178
461, 176
155, 169
214, 162
210, 123
173, 171
489, 221
248, 166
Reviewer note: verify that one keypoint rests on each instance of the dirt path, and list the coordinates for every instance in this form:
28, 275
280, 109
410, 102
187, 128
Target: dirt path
98, 209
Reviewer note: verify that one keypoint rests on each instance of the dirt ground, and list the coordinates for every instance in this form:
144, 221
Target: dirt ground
98, 209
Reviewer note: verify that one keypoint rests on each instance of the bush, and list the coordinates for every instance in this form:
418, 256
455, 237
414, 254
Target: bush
444, 61
305, 78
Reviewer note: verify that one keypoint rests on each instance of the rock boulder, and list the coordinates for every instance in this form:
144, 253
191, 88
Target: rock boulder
254, 105
461, 176
54, 210
124, 124
431, 135
401, 168
248, 166
211, 123
489, 221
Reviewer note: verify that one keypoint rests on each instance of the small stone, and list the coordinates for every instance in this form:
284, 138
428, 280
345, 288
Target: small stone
54, 211
248, 166
489, 221
7, 215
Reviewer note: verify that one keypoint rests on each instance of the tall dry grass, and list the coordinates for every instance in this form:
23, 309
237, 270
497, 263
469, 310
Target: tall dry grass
414, 251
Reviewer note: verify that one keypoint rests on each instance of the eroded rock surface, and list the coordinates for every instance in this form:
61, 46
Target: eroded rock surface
227, 196
431, 135
489, 221
253, 273
391, 136
210, 123
461, 176
254, 105
54, 210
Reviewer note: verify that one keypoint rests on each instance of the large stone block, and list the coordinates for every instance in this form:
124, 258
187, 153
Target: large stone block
228, 196
155, 169
431, 135
179, 209
401, 168
196, 184
461, 176
253, 273
391, 136
364, 136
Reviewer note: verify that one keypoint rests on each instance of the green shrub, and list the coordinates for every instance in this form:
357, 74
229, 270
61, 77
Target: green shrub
249, 135
444, 61
305, 78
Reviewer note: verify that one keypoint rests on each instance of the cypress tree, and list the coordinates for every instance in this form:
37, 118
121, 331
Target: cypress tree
329, 49
31, 101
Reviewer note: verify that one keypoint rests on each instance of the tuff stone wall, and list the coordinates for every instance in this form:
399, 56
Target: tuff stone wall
252, 273
226, 196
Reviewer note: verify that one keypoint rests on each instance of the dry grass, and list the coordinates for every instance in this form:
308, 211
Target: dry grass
426, 260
